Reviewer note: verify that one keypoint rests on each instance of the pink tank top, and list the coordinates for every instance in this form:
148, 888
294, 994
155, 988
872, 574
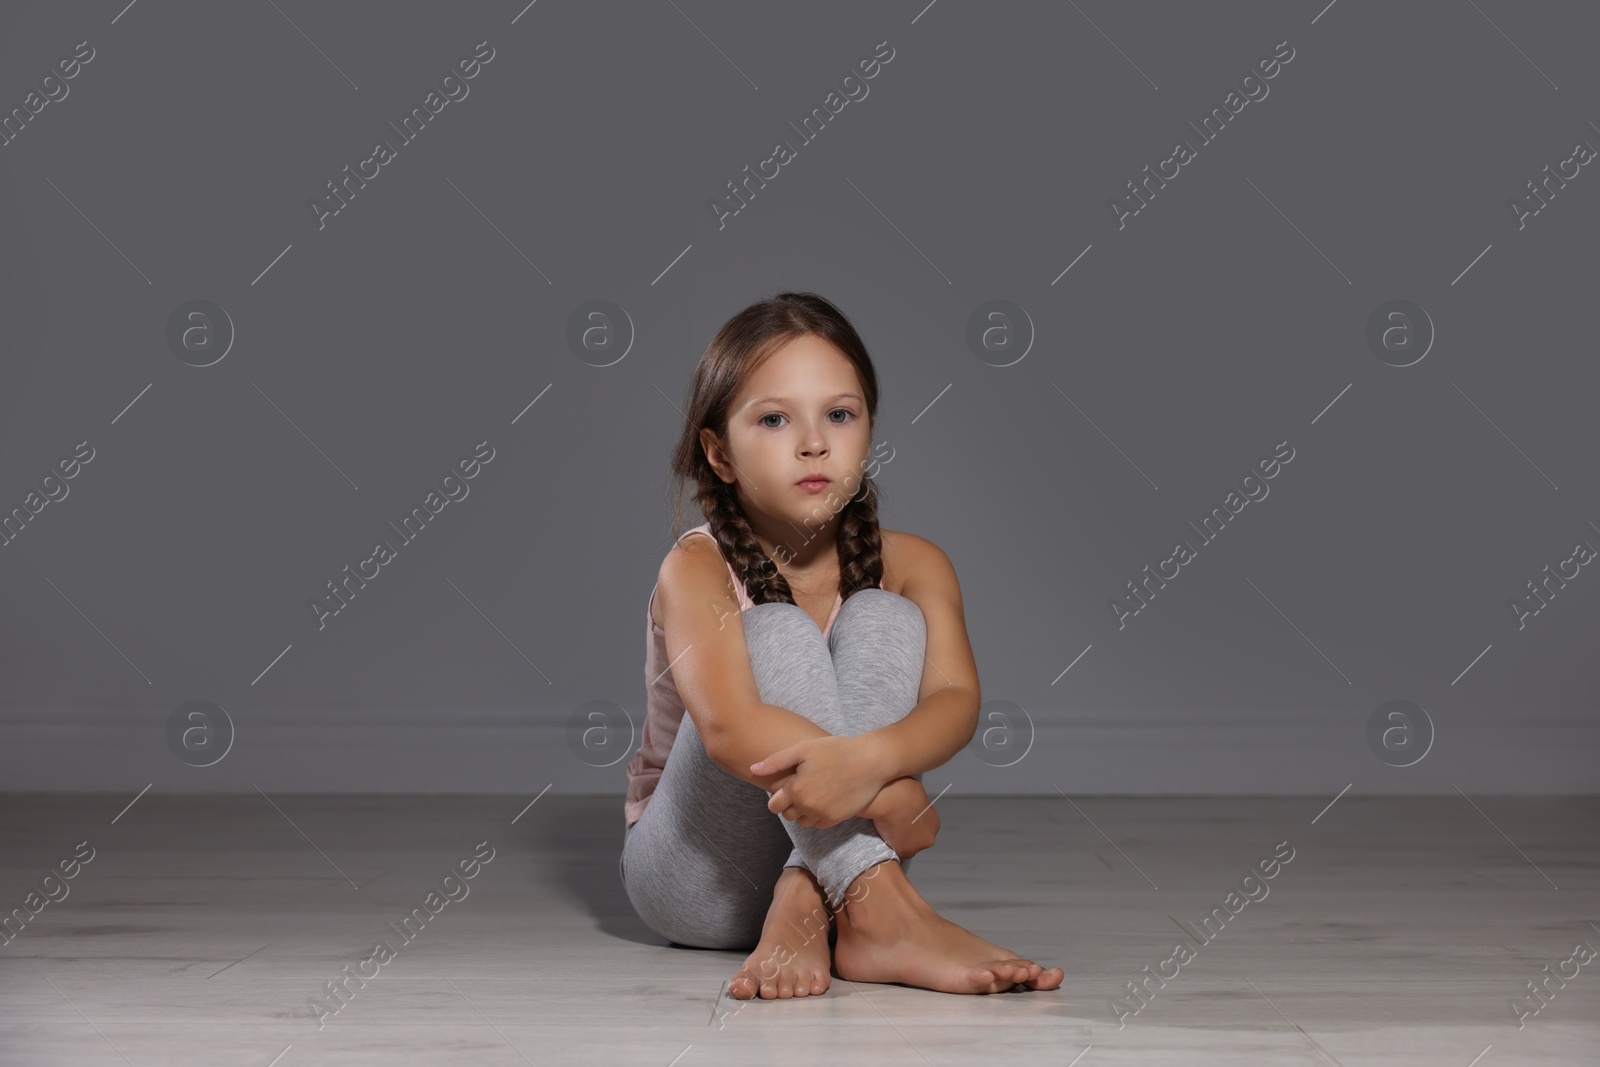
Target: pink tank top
664, 709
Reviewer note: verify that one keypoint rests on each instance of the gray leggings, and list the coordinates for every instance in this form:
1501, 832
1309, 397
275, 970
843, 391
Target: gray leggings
701, 863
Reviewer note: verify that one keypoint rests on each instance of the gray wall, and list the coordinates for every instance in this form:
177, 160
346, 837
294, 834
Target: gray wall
1151, 363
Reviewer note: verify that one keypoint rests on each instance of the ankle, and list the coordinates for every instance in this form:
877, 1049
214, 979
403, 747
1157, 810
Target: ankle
797, 882
880, 896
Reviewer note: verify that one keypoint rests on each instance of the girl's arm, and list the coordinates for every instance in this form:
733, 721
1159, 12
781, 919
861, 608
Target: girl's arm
711, 667
904, 817
946, 714
847, 774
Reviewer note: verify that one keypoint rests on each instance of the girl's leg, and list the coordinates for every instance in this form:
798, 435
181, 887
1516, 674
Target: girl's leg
876, 650
892, 934
701, 863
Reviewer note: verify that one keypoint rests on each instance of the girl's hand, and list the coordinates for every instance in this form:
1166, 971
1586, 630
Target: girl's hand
833, 779
903, 817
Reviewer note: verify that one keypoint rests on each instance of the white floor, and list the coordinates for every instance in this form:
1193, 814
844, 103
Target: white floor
1399, 933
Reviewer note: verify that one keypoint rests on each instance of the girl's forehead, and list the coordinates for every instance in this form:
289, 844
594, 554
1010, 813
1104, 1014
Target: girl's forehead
800, 371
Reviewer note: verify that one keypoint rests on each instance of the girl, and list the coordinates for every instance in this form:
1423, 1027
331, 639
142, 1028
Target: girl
804, 669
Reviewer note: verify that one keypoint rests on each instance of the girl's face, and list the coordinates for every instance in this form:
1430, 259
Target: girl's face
800, 413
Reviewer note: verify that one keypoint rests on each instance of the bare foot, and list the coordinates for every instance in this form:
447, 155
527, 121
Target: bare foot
792, 958
889, 933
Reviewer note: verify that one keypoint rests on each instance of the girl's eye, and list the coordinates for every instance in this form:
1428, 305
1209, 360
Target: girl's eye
775, 415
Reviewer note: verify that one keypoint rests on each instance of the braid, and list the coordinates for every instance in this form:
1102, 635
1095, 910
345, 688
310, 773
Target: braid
860, 543
762, 580
858, 540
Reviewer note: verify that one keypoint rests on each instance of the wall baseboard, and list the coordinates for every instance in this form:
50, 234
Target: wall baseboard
519, 752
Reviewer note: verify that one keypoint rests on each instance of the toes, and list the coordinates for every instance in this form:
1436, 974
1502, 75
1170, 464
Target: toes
1008, 973
742, 986
1000, 982
1048, 979
1027, 972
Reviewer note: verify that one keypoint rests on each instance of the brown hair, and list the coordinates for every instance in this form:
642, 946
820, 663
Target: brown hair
740, 346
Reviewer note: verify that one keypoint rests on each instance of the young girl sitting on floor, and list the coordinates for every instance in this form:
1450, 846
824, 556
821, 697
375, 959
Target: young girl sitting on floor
804, 667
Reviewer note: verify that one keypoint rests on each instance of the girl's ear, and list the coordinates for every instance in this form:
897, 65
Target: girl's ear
713, 451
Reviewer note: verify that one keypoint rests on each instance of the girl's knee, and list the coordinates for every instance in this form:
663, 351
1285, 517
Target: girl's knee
880, 611
789, 659
882, 601
783, 623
